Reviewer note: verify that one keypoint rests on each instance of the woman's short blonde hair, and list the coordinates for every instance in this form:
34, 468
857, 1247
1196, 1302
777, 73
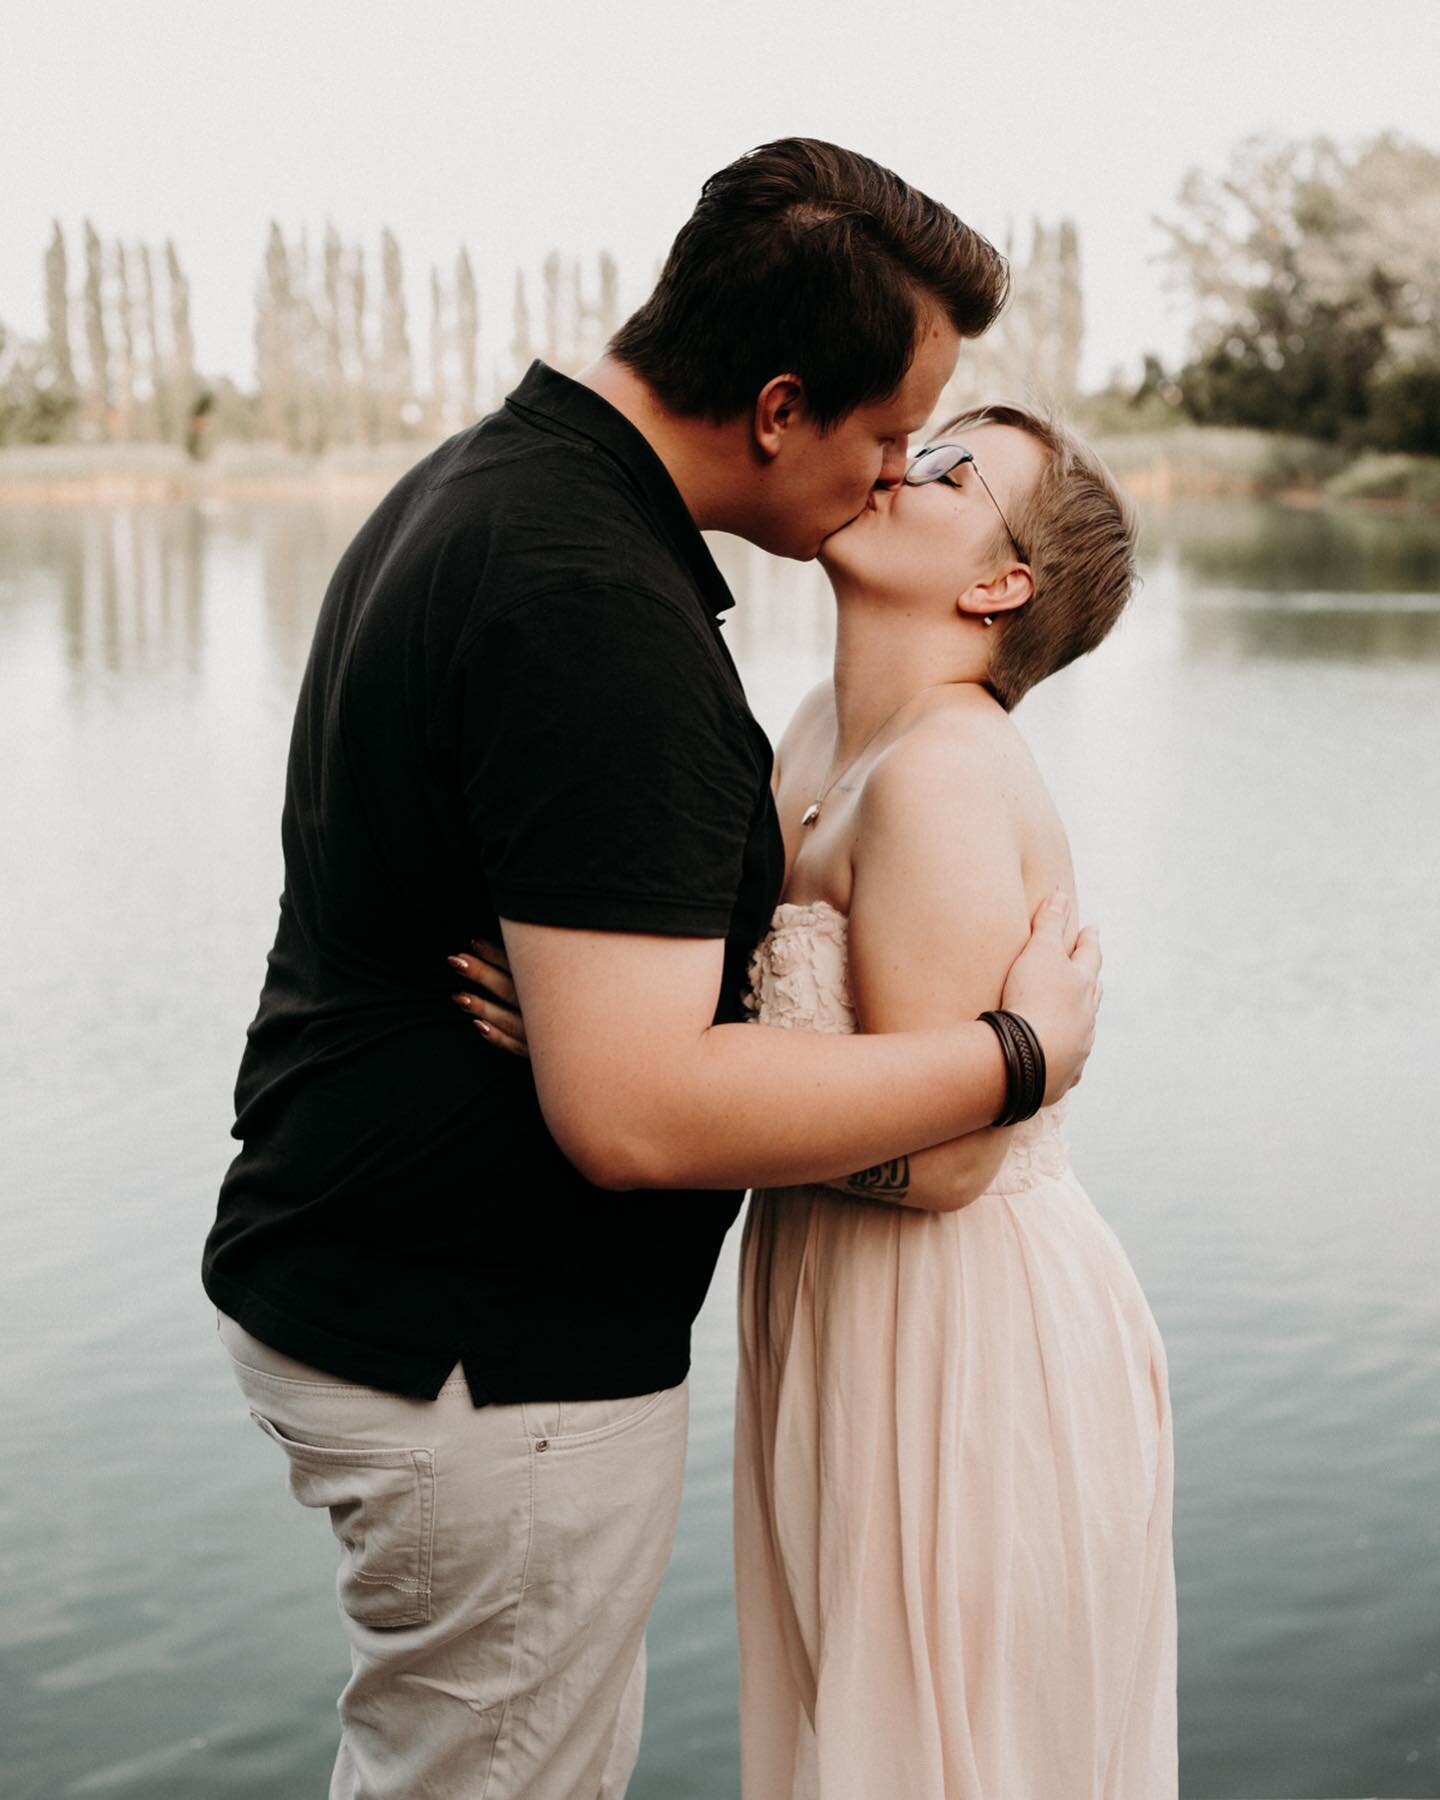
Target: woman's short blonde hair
1077, 533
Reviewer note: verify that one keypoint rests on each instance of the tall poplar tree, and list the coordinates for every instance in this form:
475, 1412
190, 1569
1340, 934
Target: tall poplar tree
159, 411
467, 334
274, 342
57, 318
439, 386
522, 344
97, 349
1070, 321
125, 370
553, 351
180, 383
307, 351
397, 376
609, 296
362, 411
338, 413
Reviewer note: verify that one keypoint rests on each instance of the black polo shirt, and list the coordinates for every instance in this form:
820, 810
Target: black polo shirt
518, 702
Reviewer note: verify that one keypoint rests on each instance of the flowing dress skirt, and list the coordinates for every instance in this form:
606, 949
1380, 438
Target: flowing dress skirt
953, 1492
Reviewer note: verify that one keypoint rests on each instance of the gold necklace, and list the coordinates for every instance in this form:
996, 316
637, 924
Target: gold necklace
812, 812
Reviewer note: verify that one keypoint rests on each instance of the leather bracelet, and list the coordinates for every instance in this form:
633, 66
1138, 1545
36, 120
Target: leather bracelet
1024, 1066
996, 1023
1025, 1072
1018, 1091
1035, 1059
1032, 1064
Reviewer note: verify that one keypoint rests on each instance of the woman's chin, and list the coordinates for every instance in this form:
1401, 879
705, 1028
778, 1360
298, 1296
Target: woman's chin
837, 552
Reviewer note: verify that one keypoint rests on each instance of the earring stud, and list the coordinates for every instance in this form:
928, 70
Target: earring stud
988, 619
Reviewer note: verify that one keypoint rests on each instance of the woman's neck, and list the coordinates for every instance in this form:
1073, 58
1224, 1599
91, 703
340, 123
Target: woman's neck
884, 657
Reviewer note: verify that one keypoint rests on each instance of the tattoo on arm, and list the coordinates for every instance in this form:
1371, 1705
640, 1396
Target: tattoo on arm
886, 1181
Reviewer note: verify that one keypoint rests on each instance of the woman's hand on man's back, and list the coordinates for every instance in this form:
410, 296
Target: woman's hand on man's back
1058, 991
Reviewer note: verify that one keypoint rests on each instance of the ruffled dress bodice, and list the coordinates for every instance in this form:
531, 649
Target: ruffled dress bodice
800, 981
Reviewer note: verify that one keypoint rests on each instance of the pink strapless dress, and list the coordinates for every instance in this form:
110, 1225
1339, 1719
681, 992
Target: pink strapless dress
953, 1478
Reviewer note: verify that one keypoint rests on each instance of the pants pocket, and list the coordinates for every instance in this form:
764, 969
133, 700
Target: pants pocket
560, 1424
382, 1511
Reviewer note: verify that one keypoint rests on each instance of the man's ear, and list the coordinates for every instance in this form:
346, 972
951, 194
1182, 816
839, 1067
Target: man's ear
1006, 590
779, 407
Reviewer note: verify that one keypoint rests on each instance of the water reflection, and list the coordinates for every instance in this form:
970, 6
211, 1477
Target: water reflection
135, 584
1246, 579
128, 580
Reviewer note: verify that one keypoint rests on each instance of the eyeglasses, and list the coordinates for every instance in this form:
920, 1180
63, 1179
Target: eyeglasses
938, 462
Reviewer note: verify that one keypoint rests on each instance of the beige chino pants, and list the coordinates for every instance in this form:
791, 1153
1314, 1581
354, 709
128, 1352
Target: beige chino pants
497, 1568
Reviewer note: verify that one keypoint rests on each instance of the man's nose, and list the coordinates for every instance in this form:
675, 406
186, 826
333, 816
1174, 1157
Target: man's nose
892, 466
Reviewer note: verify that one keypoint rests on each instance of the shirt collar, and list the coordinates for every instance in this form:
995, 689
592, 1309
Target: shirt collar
546, 393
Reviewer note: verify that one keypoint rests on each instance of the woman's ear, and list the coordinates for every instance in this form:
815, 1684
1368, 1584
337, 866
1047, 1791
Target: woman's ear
1008, 589
778, 409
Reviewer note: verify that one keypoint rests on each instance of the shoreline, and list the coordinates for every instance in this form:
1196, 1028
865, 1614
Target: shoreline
155, 474
1154, 469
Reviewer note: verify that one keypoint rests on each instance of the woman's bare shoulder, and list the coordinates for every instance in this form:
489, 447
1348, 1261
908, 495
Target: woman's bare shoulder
815, 709
818, 704
968, 745
964, 770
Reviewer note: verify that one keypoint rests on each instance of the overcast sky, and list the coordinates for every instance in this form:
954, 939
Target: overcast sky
519, 126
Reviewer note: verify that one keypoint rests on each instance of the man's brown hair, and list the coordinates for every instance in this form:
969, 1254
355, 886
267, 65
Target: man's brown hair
1077, 532
805, 259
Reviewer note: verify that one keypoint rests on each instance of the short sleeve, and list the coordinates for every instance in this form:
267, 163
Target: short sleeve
610, 768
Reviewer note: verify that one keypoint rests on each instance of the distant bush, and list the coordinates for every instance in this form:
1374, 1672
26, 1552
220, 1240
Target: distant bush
35, 407
1121, 409
1374, 476
1217, 459
1298, 462
1317, 385
1405, 409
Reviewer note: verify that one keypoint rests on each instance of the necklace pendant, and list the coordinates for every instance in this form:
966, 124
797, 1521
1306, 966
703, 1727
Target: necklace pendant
810, 814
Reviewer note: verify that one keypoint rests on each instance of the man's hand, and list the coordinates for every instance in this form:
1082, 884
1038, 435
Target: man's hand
495, 1009
1058, 992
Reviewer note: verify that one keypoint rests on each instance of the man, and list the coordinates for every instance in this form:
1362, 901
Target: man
458, 1290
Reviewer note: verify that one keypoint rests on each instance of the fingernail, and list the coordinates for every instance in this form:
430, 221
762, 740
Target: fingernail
480, 1025
456, 962
462, 999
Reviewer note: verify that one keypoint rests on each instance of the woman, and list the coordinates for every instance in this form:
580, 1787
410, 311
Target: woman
953, 1455
953, 1468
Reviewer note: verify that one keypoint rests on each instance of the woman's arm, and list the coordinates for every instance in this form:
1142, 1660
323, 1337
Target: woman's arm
939, 1180
938, 911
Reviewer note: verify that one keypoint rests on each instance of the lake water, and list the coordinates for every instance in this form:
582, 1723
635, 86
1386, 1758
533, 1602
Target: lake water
1251, 773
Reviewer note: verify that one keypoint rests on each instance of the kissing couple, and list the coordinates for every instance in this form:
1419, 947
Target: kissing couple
457, 1257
